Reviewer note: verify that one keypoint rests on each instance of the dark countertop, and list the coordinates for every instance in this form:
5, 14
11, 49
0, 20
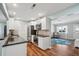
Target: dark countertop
1, 39
17, 40
43, 35
14, 43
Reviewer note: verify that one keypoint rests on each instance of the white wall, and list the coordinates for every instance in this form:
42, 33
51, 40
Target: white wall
19, 26
52, 29
1, 36
43, 22
2, 17
2, 30
10, 24
71, 33
75, 32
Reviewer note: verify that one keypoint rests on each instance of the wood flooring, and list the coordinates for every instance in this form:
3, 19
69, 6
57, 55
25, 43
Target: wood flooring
56, 50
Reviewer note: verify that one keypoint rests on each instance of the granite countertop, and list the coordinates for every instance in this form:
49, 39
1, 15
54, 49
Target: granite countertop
17, 40
1, 39
43, 35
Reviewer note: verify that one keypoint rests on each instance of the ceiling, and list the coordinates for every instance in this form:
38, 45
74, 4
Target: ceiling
69, 15
2, 16
25, 11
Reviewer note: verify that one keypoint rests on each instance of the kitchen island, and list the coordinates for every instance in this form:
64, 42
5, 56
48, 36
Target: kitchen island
17, 47
1, 46
44, 42
44, 39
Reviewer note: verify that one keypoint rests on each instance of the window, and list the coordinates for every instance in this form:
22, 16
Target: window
62, 29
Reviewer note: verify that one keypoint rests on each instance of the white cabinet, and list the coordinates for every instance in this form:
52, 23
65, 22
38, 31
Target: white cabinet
1, 31
0, 47
77, 43
44, 42
15, 50
46, 24
43, 22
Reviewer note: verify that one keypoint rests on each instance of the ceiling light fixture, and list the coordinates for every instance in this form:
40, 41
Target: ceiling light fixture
18, 18
41, 14
14, 13
32, 18
14, 4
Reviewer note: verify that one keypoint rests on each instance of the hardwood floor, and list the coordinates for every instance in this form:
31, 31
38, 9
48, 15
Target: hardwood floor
56, 50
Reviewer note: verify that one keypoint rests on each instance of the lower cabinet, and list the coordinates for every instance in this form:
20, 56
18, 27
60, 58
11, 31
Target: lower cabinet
77, 43
44, 42
0, 47
15, 50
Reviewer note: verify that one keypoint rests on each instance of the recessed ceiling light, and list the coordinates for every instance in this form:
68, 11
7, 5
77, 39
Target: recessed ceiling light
32, 18
14, 4
40, 14
18, 18
14, 13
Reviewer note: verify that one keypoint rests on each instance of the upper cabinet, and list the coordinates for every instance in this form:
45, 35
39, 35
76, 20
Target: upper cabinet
46, 24
43, 24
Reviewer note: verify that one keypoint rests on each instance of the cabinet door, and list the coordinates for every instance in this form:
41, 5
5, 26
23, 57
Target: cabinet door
77, 43
0, 48
44, 42
1, 31
43, 22
4, 51
40, 42
15, 50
